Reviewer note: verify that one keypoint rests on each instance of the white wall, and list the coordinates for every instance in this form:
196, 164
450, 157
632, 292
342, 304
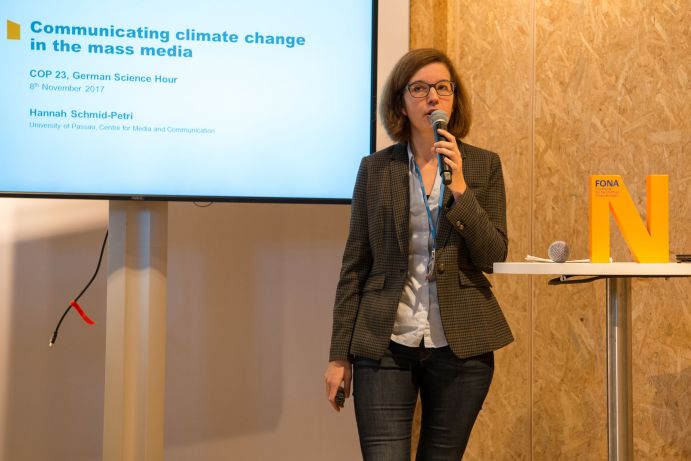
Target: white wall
50, 399
251, 288
250, 295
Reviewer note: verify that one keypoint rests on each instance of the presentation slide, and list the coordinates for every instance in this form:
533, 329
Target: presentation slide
233, 99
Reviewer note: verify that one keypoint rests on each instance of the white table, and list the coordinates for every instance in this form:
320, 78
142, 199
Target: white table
619, 383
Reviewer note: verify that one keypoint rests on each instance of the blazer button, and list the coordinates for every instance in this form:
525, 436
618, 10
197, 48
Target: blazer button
460, 225
440, 268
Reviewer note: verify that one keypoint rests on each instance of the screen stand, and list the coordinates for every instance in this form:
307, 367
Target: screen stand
135, 331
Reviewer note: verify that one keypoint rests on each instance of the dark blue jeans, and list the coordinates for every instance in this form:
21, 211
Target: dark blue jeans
451, 390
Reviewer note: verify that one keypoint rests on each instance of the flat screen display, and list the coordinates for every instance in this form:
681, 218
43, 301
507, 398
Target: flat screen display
222, 100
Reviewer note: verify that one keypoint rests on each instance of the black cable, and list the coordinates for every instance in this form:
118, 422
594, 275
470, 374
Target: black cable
98, 266
566, 280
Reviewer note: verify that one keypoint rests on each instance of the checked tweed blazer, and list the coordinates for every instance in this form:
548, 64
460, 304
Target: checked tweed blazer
471, 236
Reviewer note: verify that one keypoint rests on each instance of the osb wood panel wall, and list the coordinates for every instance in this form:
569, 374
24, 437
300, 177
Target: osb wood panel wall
563, 90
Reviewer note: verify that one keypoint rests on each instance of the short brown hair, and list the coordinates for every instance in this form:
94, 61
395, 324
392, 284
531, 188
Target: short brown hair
391, 106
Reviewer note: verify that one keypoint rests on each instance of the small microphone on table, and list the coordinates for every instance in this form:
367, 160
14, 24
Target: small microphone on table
558, 251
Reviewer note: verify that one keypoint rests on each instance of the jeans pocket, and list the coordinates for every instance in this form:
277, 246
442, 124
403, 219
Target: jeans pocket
365, 362
486, 359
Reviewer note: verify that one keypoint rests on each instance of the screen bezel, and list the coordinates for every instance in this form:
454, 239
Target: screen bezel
239, 199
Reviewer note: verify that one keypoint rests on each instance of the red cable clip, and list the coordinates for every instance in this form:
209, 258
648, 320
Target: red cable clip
81, 312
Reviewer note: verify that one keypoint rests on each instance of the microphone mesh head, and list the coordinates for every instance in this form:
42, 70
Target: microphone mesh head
558, 251
439, 116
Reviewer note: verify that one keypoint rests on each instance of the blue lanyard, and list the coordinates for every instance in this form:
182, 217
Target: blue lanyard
432, 225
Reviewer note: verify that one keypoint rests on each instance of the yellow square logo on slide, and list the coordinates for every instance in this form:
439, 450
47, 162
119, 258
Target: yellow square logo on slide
13, 30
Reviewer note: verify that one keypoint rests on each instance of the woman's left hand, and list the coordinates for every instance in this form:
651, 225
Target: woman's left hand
449, 154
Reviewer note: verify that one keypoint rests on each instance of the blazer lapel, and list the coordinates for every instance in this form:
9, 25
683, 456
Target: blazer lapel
444, 225
400, 194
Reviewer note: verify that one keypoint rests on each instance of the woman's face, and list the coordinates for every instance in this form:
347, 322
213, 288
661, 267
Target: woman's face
418, 109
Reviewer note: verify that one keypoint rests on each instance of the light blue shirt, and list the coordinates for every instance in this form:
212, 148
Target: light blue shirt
418, 316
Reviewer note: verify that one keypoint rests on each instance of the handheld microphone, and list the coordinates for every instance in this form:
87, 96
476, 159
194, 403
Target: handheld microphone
558, 251
440, 119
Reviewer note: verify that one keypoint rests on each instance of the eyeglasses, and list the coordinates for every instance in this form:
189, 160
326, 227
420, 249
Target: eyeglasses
421, 89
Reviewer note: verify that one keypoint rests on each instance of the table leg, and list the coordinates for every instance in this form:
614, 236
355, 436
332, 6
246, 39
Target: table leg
619, 383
